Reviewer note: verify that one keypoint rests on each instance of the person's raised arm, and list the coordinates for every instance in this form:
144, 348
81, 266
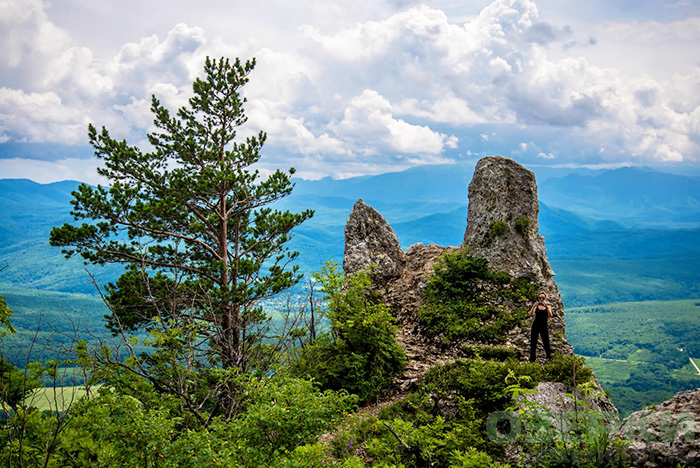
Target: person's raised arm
532, 309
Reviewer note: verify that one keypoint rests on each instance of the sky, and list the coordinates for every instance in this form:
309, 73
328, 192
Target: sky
356, 87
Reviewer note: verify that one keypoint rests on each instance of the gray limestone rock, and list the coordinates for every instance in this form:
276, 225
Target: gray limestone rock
666, 435
502, 222
552, 396
369, 240
503, 228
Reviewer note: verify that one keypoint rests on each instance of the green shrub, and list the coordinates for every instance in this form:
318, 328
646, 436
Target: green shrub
443, 422
521, 224
570, 370
498, 228
472, 458
498, 353
454, 307
282, 415
360, 353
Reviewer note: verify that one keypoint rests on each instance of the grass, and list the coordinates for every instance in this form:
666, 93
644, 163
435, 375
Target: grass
56, 398
685, 372
691, 368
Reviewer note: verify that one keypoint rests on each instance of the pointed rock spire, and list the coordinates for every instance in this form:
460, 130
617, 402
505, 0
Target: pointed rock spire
369, 240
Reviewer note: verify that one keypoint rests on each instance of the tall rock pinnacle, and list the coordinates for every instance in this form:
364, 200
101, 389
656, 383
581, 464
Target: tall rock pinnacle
369, 240
502, 222
503, 228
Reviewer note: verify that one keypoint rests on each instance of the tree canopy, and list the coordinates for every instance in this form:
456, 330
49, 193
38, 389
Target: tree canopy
195, 227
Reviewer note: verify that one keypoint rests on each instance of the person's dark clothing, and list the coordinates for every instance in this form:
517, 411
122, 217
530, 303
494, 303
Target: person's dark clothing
539, 327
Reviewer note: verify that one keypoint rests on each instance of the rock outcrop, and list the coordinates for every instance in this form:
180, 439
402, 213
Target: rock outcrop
501, 191
503, 228
552, 396
502, 221
371, 242
667, 435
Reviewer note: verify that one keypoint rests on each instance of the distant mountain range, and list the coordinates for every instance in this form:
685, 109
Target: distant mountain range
633, 196
583, 214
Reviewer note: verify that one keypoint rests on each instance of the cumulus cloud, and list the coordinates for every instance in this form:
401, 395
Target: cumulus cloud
495, 70
411, 85
38, 117
368, 121
140, 65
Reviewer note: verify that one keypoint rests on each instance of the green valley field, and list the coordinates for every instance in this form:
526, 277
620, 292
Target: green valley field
639, 350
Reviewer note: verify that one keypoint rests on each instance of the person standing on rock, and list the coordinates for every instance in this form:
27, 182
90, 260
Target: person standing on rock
541, 310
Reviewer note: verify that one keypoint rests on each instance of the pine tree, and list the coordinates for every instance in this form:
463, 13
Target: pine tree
194, 226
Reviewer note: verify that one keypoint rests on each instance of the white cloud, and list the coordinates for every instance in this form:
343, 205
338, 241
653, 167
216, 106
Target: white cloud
44, 172
368, 120
140, 65
371, 86
38, 117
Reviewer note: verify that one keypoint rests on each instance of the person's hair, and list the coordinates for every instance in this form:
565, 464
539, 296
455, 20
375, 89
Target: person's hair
541, 293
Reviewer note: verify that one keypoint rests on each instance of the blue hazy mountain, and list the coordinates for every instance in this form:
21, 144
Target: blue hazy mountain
582, 214
631, 195
634, 196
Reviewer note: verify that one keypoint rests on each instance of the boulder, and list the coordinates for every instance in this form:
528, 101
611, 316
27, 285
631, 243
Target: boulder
666, 435
553, 397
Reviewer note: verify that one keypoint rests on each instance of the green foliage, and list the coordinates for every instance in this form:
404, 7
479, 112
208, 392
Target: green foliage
443, 422
279, 427
5, 316
497, 229
498, 353
285, 414
455, 306
17, 384
472, 458
521, 224
643, 364
360, 353
570, 370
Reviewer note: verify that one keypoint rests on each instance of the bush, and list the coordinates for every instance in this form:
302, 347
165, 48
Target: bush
454, 307
521, 224
498, 228
570, 370
443, 422
498, 353
472, 458
282, 415
360, 353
